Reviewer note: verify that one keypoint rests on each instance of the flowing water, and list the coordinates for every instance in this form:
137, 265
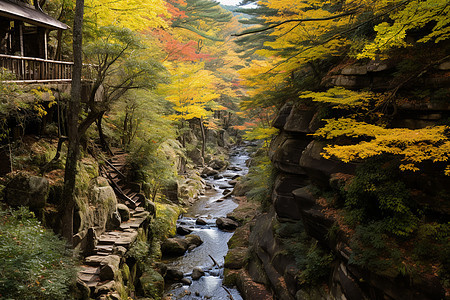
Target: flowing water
209, 208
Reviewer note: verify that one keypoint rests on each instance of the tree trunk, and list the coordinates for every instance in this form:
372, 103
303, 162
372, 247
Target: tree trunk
103, 143
74, 138
202, 129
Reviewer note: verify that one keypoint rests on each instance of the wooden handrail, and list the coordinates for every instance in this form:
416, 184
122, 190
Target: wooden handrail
36, 59
39, 70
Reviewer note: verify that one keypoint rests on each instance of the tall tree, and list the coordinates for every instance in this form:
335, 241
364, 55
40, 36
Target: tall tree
73, 113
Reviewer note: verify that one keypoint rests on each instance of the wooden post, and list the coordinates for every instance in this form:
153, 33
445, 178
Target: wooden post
45, 44
21, 50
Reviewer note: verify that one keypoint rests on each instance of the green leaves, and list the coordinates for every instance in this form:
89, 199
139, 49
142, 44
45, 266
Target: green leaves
35, 263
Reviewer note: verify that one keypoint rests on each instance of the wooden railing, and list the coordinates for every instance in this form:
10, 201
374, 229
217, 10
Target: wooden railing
38, 70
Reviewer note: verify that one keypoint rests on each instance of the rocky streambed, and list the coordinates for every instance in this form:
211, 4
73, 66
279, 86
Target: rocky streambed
198, 273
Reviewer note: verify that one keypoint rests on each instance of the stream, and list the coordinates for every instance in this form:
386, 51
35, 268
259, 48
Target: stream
208, 208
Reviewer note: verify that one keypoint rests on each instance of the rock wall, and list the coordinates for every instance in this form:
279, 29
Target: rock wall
301, 170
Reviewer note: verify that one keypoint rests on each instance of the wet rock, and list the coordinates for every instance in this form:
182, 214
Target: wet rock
197, 273
186, 281
218, 176
226, 224
174, 247
174, 275
124, 212
208, 171
25, 190
226, 191
193, 240
217, 164
200, 221
234, 168
181, 230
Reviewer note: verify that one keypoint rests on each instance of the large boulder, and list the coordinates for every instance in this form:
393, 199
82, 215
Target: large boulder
193, 241
208, 171
104, 202
173, 275
123, 211
226, 224
197, 273
218, 164
174, 247
27, 190
151, 284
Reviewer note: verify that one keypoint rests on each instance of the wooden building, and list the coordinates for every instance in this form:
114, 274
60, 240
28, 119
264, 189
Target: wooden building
24, 31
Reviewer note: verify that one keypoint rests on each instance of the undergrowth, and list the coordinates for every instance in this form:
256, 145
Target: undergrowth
35, 263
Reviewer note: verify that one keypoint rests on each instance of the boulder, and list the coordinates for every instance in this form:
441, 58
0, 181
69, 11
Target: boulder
226, 191
186, 281
193, 241
124, 212
105, 288
27, 190
236, 258
197, 273
151, 284
226, 224
200, 221
208, 171
103, 200
174, 247
173, 275
83, 291
218, 164
108, 271
181, 230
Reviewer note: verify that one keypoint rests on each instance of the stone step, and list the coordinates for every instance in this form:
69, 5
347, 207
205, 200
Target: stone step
104, 248
93, 278
90, 270
98, 260
133, 223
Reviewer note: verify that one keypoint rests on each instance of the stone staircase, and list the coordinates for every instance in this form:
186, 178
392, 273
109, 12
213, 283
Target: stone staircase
97, 273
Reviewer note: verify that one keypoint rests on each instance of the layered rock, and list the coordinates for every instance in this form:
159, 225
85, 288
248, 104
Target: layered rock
301, 172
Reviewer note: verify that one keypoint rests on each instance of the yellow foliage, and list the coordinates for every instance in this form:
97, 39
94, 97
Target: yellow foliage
133, 14
341, 97
414, 14
192, 91
413, 146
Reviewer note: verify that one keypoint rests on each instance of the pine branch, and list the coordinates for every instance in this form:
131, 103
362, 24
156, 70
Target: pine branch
299, 21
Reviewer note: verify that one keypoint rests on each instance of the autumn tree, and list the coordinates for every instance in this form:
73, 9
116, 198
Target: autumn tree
192, 93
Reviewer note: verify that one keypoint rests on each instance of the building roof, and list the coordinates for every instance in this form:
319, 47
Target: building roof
22, 12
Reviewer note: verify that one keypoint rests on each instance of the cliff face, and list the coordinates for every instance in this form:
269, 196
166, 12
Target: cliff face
302, 172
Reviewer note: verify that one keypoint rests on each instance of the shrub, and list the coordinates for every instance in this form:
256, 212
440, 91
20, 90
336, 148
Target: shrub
378, 194
373, 249
313, 260
35, 263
